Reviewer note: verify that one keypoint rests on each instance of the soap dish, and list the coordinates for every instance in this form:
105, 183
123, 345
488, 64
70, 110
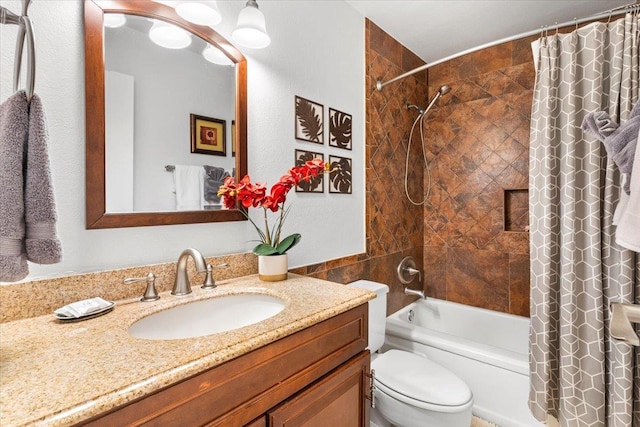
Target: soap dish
108, 306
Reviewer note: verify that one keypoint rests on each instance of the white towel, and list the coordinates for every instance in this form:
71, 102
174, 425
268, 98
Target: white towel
628, 231
189, 182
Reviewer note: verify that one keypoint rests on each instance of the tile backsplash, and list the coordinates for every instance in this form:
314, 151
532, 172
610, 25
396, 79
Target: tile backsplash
40, 297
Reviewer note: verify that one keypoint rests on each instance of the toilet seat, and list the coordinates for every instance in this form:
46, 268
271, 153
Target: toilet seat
420, 382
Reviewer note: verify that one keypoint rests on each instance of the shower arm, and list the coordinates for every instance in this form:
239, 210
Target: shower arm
622, 318
433, 101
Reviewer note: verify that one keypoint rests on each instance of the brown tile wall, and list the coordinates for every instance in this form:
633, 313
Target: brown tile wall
478, 151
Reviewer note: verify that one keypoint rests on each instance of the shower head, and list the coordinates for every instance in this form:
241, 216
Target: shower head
444, 89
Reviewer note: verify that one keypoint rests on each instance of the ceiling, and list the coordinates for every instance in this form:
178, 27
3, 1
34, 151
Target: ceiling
437, 29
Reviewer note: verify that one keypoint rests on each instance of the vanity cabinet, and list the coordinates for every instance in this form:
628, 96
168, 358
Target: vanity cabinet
336, 400
314, 377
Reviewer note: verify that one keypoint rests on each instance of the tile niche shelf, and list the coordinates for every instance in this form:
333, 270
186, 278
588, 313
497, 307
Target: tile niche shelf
516, 209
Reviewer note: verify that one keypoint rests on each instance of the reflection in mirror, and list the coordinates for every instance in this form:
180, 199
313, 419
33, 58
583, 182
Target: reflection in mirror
151, 93
164, 126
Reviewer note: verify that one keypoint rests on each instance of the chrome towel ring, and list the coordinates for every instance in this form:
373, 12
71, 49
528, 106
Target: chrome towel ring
25, 32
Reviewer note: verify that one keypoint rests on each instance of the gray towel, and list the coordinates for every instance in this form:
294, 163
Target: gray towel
213, 179
599, 125
619, 141
14, 125
42, 244
621, 147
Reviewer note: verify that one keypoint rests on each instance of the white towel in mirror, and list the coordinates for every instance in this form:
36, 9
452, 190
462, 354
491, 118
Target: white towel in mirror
189, 182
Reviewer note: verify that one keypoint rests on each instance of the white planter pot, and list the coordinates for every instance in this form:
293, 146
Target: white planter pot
273, 268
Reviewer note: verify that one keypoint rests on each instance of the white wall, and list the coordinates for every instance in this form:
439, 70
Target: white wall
118, 153
317, 52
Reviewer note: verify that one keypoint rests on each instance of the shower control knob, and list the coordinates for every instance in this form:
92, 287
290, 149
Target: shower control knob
407, 270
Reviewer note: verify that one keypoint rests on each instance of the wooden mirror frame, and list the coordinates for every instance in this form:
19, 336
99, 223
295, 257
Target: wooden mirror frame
95, 180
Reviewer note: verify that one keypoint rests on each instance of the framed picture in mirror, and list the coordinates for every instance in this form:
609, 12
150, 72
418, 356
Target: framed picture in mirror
208, 135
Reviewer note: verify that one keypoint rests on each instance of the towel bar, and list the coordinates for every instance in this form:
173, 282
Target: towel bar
622, 318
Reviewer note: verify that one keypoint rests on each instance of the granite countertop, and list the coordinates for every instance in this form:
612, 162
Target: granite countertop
57, 374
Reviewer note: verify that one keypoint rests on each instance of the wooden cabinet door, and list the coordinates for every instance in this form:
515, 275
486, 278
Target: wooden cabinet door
338, 399
259, 422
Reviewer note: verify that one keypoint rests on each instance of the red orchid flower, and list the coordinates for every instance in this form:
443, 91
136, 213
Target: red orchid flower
250, 194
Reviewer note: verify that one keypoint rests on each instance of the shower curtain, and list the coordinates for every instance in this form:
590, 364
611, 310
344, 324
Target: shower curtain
578, 374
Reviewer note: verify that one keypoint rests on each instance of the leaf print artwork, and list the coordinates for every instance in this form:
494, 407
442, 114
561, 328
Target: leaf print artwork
340, 175
309, 121
339, 129
316, 183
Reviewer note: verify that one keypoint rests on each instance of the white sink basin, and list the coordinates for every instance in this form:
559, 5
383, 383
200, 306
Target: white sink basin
206, 317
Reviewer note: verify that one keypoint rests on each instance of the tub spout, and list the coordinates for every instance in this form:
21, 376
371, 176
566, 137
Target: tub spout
415, 292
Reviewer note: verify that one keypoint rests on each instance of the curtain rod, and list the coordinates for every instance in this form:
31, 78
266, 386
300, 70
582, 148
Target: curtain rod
617, 11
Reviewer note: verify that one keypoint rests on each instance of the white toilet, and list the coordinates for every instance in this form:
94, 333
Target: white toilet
411, 390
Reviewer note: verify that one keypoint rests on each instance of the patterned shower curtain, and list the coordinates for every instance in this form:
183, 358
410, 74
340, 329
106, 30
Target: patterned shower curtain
578, 374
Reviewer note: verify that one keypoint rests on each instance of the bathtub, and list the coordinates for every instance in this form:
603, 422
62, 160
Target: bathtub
487, 349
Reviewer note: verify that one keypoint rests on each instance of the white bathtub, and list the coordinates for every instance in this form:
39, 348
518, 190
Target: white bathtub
487, 349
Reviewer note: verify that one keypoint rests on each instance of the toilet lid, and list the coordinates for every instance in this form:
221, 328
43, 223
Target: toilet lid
415, 379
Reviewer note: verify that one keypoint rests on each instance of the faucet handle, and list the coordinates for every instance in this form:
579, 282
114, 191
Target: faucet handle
150, 294
209, 282
407, 269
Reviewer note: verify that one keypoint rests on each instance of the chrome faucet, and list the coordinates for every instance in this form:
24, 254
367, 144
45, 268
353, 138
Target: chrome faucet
414, 292
181, 285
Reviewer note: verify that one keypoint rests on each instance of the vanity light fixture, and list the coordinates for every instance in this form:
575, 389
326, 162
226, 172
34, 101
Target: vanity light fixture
169, 36
199, 12
114, 20
215, 55
251, 30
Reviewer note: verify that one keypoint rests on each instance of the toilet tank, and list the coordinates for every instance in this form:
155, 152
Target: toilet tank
377, 311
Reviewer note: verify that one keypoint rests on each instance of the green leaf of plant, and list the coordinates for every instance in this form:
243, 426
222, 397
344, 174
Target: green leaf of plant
288, 242
264, 249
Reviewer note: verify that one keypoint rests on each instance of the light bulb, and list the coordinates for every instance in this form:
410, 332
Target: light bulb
251, 30
114, 20
199, 12
169, 36
215, 55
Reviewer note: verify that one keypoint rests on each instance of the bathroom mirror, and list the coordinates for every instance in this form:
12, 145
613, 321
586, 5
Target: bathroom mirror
156, 130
